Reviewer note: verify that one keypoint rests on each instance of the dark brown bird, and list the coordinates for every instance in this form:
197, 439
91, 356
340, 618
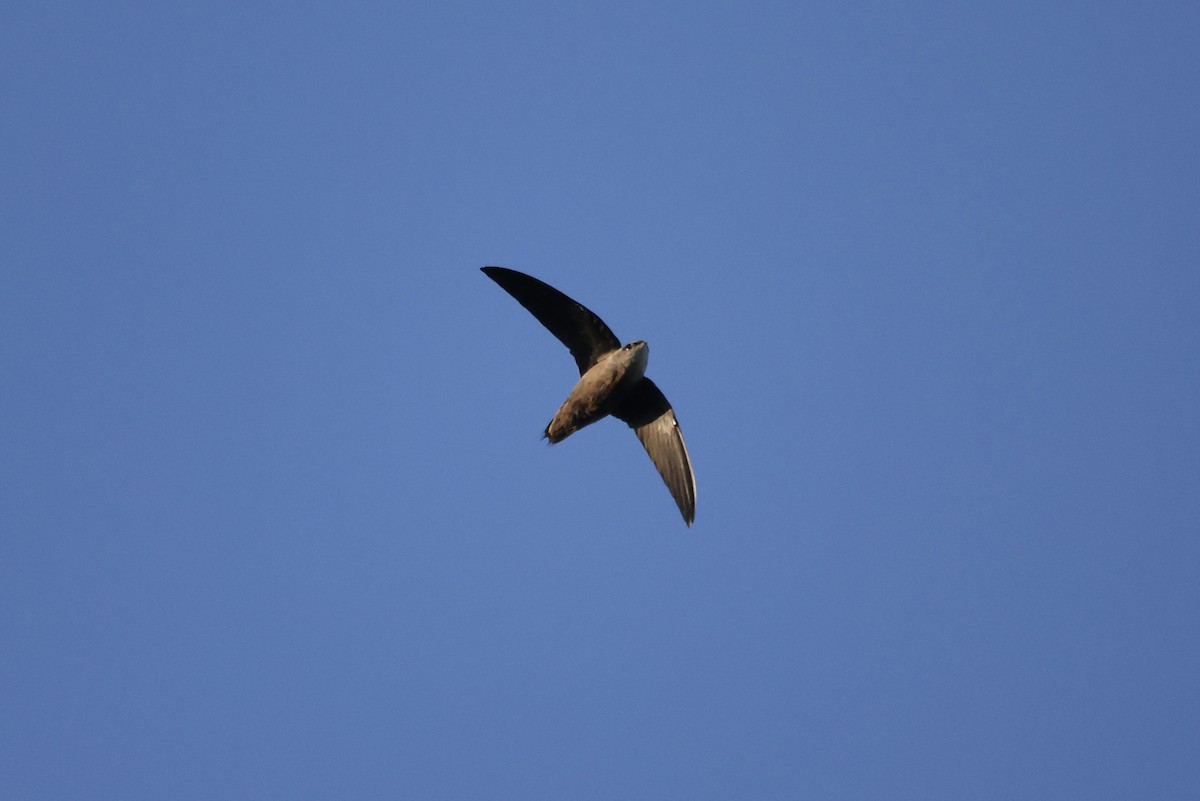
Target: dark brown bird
612, 381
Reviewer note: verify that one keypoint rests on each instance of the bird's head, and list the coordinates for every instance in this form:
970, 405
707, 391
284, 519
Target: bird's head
638, 354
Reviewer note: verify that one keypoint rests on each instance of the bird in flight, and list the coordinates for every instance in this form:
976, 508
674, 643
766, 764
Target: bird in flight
612, 381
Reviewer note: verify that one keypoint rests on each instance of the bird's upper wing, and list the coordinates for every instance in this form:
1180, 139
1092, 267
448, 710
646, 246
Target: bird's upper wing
647, 412
585, 334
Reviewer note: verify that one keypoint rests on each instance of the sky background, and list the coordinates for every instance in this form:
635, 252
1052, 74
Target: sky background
922, 282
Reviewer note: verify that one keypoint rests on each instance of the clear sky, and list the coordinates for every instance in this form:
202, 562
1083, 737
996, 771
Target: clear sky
922, 281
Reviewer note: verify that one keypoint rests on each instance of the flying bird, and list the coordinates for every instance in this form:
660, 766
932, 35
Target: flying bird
612, 382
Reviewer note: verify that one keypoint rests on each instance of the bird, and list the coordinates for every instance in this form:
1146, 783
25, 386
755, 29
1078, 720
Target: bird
612, 382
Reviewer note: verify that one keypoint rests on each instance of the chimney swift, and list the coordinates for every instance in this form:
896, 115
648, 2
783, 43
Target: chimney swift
612, 381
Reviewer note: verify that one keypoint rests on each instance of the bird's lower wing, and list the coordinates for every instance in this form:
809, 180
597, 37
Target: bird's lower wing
648, 413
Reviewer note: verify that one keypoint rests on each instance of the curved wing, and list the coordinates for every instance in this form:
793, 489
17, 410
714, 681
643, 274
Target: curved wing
584, 334
648, 413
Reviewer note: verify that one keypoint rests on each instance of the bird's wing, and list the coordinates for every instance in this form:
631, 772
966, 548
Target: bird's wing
650, 416
584, 334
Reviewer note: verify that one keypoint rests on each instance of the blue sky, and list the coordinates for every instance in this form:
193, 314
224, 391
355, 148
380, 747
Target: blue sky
922, 282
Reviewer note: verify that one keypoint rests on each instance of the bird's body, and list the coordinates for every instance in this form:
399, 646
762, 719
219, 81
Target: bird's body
600, 390
612, 382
